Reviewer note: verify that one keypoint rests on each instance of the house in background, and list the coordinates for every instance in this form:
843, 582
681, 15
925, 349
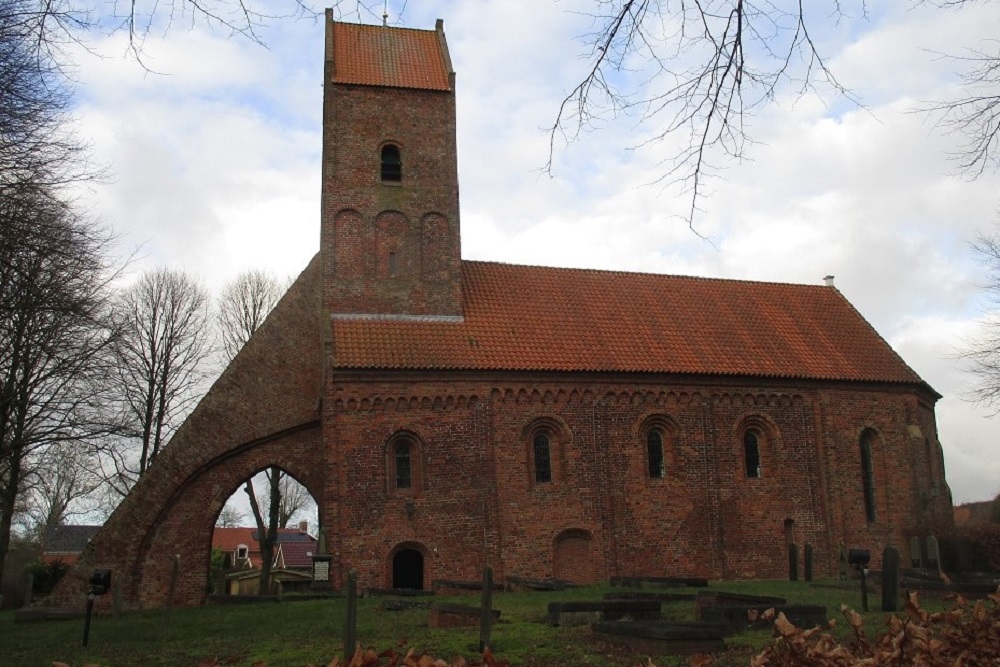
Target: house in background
241, 545
65, 543
974, 514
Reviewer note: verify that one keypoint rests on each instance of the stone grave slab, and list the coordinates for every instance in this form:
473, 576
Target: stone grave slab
662, 638
583, 612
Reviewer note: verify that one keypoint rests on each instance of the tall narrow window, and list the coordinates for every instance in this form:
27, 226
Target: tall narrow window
654, 453
543, 463
751, 453
392, 164
403, 476
868, 476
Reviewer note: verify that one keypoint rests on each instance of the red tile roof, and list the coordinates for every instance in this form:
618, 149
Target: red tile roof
227, 539
531, 318
297, 554
373, 55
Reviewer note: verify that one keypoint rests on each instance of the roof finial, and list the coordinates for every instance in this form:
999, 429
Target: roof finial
385, 13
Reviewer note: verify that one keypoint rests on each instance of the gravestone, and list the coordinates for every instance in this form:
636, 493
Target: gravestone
351, 617
175, 571
486, 610
933, 554
890, 579
322, 563
116, 597
808, 562
793, 562
29, 588
915, 552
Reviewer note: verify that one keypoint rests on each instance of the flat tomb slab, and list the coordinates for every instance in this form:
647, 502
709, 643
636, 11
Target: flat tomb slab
32, 614
453, 587
402, 605
663, 638
738, 617
650, 595
526, 584
582, 612
399, 592
445, 615
666, 582
724, 599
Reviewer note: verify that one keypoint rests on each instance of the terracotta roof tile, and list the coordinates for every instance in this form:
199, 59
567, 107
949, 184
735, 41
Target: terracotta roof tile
298, 554
372, 55
227, 539
530, 318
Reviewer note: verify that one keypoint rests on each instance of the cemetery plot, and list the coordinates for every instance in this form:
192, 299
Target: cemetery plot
570, 614
674, 638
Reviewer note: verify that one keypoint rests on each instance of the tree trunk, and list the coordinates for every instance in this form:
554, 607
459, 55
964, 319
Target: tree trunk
271, 537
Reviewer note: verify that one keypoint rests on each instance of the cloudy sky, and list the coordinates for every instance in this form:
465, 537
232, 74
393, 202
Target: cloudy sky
214, 149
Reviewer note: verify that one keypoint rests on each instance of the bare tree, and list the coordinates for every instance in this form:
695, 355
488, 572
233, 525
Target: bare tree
61, 485
267, 534
975, 114
295, 499
703, 68
54, 336
243, 306
983, 352
162, 344
696, 72
229, 517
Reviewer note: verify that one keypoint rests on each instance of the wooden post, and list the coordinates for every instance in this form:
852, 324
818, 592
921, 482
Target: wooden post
809, 562
29, 588
175, 571
890, 579
486, 610
793, 562
116, 597
351, 618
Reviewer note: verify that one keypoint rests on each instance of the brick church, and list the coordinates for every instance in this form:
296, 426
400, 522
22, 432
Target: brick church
553, 423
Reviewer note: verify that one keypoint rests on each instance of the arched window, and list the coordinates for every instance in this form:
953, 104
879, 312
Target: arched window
542, 457
404, 478
654, 454
868, 475
392, 164
403, 464
751, 453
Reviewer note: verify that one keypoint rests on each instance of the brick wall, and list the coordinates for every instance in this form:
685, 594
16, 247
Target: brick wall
416, 219
480, 503
262, 410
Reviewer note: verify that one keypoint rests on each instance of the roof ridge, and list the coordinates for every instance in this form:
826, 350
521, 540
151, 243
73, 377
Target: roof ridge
388, 27
681, 276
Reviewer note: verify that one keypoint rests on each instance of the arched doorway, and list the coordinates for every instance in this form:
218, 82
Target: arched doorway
408, 569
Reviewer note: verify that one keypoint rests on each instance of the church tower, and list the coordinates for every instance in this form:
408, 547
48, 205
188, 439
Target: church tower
390, 222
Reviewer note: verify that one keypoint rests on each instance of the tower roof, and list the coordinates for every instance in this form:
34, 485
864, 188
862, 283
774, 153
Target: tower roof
374, 55
533, 318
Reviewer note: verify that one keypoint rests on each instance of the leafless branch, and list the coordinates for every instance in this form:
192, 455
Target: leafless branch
703, 66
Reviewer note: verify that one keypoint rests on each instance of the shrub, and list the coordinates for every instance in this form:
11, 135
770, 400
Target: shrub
46, 575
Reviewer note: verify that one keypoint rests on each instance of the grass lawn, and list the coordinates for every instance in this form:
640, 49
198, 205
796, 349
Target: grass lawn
300, 633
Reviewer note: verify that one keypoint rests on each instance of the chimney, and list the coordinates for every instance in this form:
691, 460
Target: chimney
304, 527
828, 280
